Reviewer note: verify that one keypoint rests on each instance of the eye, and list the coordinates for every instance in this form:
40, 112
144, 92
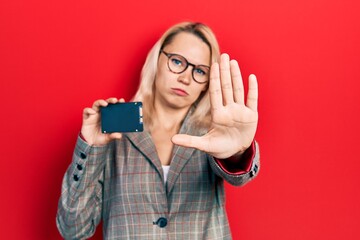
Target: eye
176, 61
200, 71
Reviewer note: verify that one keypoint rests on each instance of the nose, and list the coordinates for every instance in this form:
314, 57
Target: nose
186, 76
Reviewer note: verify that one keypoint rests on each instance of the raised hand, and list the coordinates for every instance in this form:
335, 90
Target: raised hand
234, 122
91, 126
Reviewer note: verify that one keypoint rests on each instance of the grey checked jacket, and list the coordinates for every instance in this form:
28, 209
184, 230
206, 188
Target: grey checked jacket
122, 185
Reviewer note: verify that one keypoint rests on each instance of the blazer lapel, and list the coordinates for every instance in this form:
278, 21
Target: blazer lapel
181, 155
143, 142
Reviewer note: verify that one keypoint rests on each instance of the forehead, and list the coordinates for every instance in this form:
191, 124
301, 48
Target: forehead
191, 47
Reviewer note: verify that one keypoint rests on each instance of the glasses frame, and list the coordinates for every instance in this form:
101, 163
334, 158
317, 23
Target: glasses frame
169, 55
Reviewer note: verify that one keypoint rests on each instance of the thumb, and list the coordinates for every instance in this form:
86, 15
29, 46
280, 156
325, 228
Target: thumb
189, 141
115, 135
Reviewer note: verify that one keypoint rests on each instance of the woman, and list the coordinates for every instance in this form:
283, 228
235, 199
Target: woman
168, 181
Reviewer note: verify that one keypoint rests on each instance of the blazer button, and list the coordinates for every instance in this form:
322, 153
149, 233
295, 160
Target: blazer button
256, 168
79, 167
76, 178
82, 155
161, 222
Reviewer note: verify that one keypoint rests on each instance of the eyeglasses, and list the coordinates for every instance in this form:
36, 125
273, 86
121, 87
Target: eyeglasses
178, 64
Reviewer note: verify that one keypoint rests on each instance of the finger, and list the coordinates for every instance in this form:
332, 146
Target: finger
112, 100
99, 103
252, 97
121, 100
225, 79
215, 88
87, 112
189, 141
237, 82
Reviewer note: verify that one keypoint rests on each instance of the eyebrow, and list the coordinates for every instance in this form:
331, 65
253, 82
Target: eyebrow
175, 53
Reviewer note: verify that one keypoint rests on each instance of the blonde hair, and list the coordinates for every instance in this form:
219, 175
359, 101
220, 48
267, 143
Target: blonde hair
200, 116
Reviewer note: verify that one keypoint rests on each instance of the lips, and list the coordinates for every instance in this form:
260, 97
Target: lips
180, 92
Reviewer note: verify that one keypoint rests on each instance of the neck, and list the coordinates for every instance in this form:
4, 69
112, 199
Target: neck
167, 118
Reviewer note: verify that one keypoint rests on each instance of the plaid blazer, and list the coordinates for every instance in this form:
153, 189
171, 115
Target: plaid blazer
122, 184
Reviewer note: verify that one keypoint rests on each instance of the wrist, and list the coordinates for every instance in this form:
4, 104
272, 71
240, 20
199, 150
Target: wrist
85, 138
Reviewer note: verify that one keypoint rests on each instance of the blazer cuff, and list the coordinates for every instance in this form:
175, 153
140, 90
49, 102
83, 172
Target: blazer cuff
238, 164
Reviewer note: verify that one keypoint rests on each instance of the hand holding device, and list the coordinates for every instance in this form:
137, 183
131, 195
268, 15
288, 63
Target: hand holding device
91, 126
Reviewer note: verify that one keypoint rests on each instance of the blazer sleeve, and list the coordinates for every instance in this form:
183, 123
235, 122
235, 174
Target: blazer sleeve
80, 204
238, 178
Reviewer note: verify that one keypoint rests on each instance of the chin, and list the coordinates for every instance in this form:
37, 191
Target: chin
178, 104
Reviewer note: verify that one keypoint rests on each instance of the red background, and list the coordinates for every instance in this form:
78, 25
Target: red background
57, 57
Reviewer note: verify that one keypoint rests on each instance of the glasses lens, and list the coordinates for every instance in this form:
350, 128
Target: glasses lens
177, 64
201, 74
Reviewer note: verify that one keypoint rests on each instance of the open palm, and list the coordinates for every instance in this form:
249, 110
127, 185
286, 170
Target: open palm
234, 122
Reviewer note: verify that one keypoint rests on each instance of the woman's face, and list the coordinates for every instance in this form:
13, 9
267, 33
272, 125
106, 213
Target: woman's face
180, 90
